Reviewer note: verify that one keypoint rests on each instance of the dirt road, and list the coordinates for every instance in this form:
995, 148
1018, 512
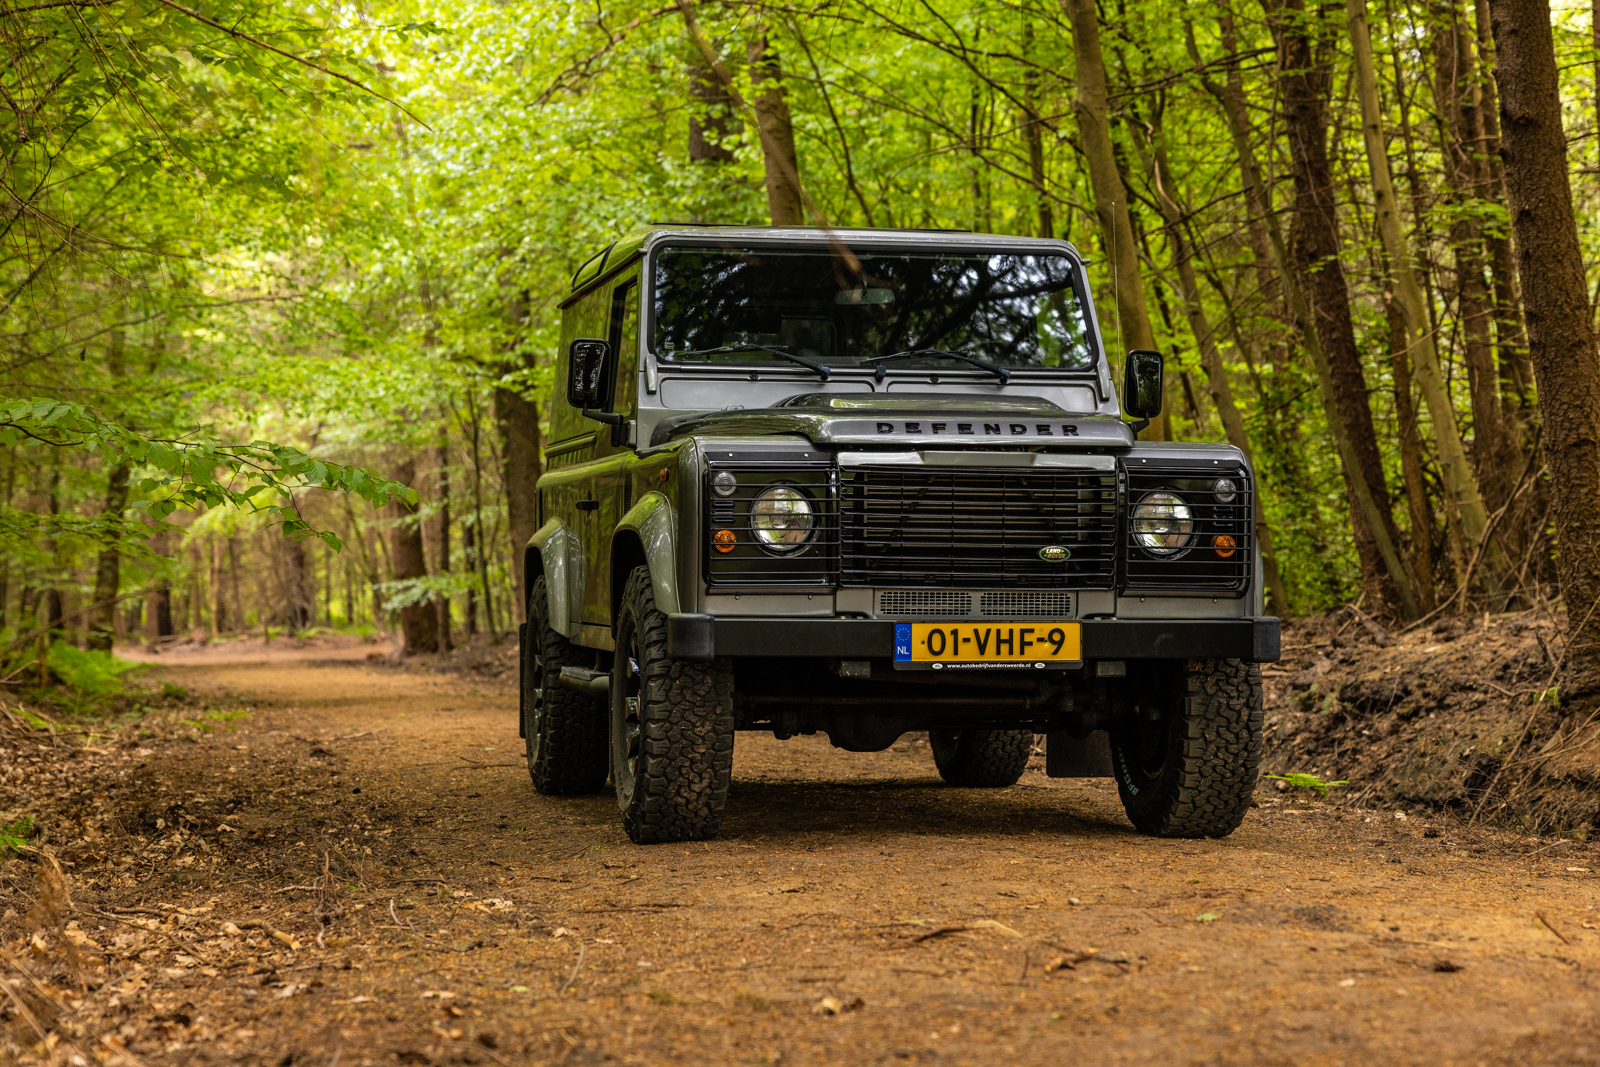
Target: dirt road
367, 877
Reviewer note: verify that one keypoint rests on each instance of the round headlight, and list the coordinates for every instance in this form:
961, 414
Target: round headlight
781, 518
723, 483
1226, 489
1162, 523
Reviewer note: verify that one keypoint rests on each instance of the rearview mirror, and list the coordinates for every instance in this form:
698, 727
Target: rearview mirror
1141, 385
586, 369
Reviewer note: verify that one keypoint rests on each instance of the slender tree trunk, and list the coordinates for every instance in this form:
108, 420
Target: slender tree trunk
1461, 137
1405, 408
1410, 302
160, 610
239, 620
297, 590
469, 546
777, 134
1304, 81
220, 623
444, 543
1561, 338
1033, 138
419, 621
108, 568
1110, 193
480, 540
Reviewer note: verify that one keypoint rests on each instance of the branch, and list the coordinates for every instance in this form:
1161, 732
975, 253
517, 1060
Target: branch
259, 43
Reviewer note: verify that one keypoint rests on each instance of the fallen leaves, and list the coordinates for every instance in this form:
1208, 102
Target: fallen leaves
834, 1006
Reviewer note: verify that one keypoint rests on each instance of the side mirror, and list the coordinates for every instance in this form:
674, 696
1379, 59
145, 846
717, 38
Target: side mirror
586, 372
1141, 385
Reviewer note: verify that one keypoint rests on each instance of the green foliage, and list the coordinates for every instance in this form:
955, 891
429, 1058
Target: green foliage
1207, 917
15, 835
1306, 781
87, 672
196, 471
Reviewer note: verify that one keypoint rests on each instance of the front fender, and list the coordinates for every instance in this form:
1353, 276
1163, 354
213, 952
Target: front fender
654, 521
561, 554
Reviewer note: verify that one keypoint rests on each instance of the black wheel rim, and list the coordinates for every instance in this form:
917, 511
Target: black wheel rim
632, 734
626, 735
1148, 740
533, 686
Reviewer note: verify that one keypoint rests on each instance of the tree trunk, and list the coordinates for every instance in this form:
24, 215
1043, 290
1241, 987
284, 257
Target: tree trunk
1461, 144
1516, 372
1410, 302
776, 128
297, 586
714, 124
518, 418
108, 568
419, 621
1304, 80
443, 603
1110, 194
239, 621
480, 539
1405, 409
1561, 339
160, 610
219, 587
1033, 138
469, 549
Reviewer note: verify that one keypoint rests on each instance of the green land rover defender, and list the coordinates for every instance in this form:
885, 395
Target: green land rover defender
867, 482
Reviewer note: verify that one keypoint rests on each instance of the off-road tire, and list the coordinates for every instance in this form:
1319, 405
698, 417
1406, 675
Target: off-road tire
671, 729
1188, 756
565, 730
981, 759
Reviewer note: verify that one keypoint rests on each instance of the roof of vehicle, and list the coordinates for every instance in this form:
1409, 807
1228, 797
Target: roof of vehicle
641, 238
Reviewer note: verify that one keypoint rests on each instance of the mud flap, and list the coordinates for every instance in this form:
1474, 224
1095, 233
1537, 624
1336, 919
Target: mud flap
1066, 756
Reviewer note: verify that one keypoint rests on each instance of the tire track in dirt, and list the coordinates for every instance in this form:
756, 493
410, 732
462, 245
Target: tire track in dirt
854, 910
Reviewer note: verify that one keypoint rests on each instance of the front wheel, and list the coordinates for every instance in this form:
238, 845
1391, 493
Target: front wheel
1188, 755
981, 759
671, 729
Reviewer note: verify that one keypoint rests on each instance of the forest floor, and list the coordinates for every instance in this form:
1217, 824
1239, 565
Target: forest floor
320, 860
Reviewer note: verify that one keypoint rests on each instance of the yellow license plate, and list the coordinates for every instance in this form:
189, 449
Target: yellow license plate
967, 645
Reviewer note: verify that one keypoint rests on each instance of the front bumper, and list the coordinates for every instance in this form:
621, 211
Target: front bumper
704, 637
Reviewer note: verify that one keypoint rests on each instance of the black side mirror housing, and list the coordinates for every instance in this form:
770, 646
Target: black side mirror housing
1142, 385
586, 372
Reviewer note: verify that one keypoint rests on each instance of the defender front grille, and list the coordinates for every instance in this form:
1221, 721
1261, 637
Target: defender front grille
966, 528
1026, 605
1197, 569
931, 603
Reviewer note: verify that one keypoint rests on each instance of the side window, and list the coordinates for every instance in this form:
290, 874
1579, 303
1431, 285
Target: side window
624, 338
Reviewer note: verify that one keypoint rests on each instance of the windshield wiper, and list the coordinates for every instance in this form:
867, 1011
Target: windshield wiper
917, 353
776, 350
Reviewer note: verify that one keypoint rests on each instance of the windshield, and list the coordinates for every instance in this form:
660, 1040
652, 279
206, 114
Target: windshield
1006, 309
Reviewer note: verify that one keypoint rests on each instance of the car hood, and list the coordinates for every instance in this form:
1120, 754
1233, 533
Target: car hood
910, 418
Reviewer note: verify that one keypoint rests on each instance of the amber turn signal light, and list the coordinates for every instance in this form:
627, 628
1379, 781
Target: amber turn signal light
1224, 545
722, 541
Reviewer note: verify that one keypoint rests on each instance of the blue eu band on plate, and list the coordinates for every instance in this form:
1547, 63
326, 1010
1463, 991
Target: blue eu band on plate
1037, 644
